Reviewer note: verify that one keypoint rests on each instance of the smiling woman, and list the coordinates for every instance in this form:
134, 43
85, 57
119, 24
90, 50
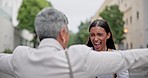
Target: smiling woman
100, 36
100, 39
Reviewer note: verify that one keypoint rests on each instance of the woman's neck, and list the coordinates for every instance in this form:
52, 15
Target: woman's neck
105, 49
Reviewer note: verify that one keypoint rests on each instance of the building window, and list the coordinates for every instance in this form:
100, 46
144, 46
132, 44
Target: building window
147, 45
131, 45
130, 19
121, 1
126, 22
137, 14
118, 2
126, 45
125, 5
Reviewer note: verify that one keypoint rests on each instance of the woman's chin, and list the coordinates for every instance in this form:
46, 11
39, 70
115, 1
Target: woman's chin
97, 49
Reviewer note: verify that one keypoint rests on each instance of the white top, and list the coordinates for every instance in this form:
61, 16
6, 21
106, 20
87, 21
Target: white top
122, 74
49, 61
106, 76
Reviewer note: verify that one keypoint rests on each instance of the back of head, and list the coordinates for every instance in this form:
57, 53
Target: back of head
48, 23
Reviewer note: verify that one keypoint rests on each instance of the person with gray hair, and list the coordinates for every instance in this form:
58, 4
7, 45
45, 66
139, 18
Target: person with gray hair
49, 22
52, 58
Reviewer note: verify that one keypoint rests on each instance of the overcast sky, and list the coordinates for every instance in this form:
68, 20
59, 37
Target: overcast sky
77, 10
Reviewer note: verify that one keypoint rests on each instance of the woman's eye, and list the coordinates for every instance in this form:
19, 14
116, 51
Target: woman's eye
91, 35
100, 34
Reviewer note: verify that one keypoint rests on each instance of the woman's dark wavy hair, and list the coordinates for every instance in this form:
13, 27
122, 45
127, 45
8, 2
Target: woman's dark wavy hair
102, 23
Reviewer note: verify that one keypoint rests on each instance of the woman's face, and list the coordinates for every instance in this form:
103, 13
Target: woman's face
98, 37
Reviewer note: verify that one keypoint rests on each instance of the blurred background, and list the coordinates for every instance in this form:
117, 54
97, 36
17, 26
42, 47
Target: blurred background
128, 20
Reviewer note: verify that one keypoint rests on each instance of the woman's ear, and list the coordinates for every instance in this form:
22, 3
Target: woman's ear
108, 35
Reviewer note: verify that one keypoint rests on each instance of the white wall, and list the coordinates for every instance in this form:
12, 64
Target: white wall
6, 34
145, 22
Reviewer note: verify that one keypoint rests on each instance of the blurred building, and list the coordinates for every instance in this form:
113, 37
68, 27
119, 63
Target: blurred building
136, 27
8, 20
6, 31
10, 36
136, 21
6, 35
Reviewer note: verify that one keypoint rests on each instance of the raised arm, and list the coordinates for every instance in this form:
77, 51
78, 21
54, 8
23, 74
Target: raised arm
123, 74
6, 64
112, 62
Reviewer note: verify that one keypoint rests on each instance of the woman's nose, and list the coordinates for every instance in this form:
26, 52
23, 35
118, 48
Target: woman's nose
95, 38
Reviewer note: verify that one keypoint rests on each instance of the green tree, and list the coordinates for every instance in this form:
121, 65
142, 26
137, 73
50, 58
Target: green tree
115, 19
8, 51
27, 14
72, 38
82, 35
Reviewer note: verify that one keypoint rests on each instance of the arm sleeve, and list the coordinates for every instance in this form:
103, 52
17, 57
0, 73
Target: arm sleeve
112, 62
123, 74
6, 65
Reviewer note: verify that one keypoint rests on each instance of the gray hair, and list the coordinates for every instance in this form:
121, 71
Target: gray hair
48, 23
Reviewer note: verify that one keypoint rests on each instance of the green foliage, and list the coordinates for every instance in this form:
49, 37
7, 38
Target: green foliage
27, 14
83, 33
28, 11
8, 51
72, 39
115, 19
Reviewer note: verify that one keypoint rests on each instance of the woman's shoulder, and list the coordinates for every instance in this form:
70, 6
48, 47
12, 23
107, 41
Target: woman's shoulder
110, 49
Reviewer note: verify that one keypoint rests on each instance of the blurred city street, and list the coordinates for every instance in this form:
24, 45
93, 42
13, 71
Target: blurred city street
135, 28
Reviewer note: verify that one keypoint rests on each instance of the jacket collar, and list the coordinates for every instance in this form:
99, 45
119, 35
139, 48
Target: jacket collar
51, 43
